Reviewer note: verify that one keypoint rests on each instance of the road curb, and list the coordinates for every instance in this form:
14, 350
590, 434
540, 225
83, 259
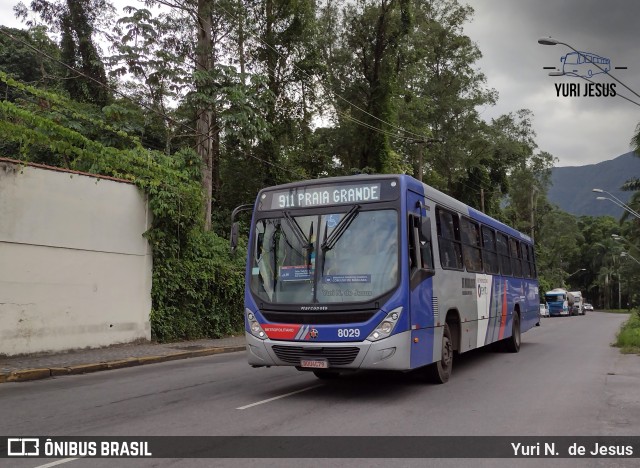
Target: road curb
24, 375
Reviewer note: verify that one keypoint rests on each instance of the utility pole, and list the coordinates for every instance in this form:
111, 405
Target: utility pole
422, 145
534, 189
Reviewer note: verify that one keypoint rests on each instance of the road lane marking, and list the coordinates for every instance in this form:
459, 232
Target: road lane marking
57, 462
280, 396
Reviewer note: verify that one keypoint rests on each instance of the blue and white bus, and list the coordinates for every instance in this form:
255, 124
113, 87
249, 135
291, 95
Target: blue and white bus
381, 272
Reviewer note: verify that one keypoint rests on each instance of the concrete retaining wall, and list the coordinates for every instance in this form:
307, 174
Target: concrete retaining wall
75, 271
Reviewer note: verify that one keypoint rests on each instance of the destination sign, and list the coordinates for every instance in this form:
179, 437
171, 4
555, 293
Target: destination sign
311, 196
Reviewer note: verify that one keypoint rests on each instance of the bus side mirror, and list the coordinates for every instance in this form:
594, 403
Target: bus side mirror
234, 237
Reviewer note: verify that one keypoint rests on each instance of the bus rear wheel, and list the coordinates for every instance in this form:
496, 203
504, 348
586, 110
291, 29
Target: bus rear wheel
512, 344
439, 372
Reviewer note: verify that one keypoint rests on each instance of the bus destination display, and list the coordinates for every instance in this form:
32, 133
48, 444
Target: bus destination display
312, 196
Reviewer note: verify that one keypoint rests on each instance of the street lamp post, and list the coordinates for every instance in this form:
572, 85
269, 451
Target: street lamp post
577, 271
616, 201
622, 239
626, 254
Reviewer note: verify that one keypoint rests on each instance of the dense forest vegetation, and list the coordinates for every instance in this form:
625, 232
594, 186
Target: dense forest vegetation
203, 103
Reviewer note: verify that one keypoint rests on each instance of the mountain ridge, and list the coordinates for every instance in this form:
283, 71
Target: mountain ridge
572, 187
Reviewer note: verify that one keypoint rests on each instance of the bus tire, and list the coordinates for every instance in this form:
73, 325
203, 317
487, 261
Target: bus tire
439, 372
512, 344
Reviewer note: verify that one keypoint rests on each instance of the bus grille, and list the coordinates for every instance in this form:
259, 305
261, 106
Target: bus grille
340, 356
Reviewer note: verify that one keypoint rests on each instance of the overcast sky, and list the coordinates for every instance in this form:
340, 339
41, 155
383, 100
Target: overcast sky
576, 130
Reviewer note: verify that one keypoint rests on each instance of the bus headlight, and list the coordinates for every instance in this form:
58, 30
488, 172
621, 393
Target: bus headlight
254, 327
386, 326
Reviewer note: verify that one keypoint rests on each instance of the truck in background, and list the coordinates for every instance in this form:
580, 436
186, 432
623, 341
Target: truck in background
557, 300
576, 303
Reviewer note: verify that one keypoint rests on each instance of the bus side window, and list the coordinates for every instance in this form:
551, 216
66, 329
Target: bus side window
516, 262
526, 263
420, 254
534, 272
489, 255
449, 244
503, 253
471, 245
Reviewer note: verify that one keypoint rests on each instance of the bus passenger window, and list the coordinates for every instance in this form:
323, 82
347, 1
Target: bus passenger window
471, 245
489, 255
516, 263
526, 269
449, 244
532, 262
503, 253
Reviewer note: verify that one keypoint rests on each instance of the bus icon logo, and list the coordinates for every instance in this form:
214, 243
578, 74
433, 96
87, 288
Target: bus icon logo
584, 64
23, 447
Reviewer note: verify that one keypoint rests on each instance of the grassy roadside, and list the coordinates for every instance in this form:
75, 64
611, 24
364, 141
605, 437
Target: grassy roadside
628, 339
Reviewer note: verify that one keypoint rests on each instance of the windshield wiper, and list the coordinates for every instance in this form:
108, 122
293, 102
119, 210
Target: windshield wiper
304, 241
330, 242
297, 230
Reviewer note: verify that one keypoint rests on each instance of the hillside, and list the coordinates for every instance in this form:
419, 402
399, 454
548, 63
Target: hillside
571, 186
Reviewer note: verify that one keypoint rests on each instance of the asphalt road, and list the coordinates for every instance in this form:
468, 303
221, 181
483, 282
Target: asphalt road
566, 381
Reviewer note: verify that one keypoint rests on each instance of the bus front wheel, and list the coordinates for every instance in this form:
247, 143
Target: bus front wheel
439, 372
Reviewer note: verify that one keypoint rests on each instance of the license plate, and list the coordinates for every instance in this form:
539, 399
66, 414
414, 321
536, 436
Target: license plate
315, 363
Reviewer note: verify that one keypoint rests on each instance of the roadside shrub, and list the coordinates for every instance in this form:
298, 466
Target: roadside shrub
629, 336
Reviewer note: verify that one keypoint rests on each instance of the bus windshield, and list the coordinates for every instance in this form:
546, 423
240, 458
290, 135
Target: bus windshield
359, 262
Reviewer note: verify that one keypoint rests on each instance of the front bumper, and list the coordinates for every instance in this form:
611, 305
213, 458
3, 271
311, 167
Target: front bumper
392, 353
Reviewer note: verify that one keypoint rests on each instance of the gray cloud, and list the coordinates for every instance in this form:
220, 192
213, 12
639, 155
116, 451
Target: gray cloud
577, 130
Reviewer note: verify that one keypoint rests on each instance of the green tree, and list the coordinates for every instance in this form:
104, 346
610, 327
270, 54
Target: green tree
283, 36
76, 20
19, 57
557, 246
152, 60
441, 91
362, 44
